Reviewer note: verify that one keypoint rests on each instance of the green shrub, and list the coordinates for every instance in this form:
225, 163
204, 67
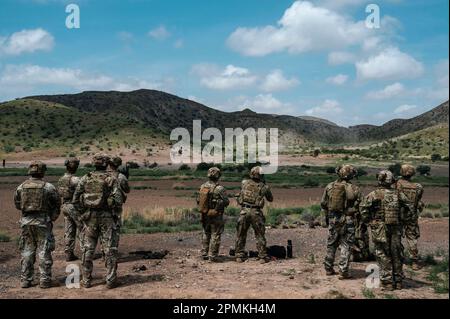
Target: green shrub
436, 157
9, 148
4, 238
395, 169
423, 170
184, 167
309, 182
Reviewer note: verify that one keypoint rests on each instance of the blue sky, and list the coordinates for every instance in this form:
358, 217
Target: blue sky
313, 58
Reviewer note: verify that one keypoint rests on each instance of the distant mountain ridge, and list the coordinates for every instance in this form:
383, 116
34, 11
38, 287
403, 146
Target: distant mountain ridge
163, 112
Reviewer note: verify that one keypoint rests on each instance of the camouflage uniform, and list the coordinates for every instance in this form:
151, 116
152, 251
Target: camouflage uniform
124, 186
361, 248
99, 219
212, 221
40, 205
341, 221
382, 210
413, 192
66, 187
251, 198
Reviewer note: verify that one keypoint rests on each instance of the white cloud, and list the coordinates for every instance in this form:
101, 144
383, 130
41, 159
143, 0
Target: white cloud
388, 92
327, 108
405, 108
159, 33
340, 57
390, 63
178, 44
264, 103
29, 77
339, 79
231, 77
276, 81
304, 27
27, 41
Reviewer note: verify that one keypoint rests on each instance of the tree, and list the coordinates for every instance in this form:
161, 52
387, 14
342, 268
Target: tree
436, 157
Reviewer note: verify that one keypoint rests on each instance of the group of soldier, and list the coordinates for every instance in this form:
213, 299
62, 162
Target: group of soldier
390, 212
92, 208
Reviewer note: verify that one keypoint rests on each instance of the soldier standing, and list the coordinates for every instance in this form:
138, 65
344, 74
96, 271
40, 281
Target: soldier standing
253, 193
124, 186
413, 192
98, 195
340, 201
66, 187
40, 205
212, 201
382, 210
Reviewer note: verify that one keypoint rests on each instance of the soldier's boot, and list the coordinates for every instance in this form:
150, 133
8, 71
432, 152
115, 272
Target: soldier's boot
344, 276
70, 256
45, 284
112, 284
25, 284
204, 257
399, 285
387, 286
264, 260
86, 284
330, 272
213, 259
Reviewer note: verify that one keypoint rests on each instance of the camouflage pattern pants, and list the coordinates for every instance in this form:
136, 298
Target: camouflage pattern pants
71, 225
412, 234
389, 254
100, 225
36, 239
341, 233
251, 218
213, 227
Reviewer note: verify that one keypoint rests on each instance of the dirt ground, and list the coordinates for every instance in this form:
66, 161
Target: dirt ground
181, 274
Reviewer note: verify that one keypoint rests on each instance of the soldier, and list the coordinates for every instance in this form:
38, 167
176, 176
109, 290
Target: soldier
66, 187
382, 210
361, 248
40, 205
212, 201
251, 198
124, 186
98, 195
413, 192
340, 202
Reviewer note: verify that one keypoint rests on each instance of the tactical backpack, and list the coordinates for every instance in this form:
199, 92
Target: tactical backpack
96, 191
205, 199
251, 193
32, 196
337, 197
65, 189
391, 208
410, 190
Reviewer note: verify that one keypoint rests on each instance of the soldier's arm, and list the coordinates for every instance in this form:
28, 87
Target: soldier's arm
124, 184
223, 196
54, 201
324, 200
268, 193
366, 207
116, 194
17, 197
404, 202
76, 199
420, 203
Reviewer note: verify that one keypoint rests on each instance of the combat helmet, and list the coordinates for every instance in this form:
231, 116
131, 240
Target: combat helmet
385, 178
214, 173
346, 171
116, 161
72, 163
256, 173
100, 160
407, 170
37, 168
